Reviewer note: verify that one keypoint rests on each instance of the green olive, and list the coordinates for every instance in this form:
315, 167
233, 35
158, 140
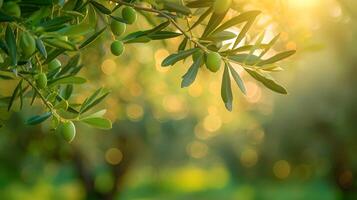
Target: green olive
118, 28
67, 130
117, 48
41, 80
221, 6
12, 8
54, 64
27, 44
213, 61
129, 15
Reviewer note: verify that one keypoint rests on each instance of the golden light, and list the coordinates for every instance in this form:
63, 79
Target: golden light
303, 3
113, 156
249, 157
281, 169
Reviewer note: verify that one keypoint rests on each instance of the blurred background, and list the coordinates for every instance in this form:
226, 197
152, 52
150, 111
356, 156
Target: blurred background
173, 143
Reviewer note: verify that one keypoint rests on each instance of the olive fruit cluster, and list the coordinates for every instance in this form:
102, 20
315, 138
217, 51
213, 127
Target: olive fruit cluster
118, 28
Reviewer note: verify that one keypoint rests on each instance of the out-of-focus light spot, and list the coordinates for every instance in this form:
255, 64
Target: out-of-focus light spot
303, 4
201, 133
212, 110
346, 179
113, 156
135, 89
108, 66
195, 90
249, 157
197, 149
281, 169
291, 46
135, 112
160, 55
254, 92
212, 123
336, 11
173, 103
284, 36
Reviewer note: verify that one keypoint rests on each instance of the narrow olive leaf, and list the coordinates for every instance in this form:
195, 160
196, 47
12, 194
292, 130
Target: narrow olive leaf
21, 95
158, 27
67, 80
175, 7
243, 33
244, 59
142, 39
247, 16
191, 74
214, 21
174, 58
101, 8
55, 23
276, 58
256, 45
161, 35
66, 93
221, 36
200, 3
237, 79
76, 30
11, 45
92, 38
201, 18
119, 19
61, 44
242, 49
52, 55
38, 118
95, 102
14, 94
226, 89
98, 122
267, 81
6, 77
134, 35
72, 63
100, 113
41, 47
183, 44
269, 45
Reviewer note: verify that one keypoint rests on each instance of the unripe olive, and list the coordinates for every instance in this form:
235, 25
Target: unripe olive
117, 48
67, 130
129, 15
213, 61
27, 44
118, 28
41, 80
54, 64
12, 8
221, 6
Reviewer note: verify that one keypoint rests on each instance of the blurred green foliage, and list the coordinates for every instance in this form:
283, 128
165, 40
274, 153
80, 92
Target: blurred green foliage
169, 143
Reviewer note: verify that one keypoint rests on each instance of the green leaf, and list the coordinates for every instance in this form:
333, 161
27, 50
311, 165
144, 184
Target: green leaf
183, 44
226, 90
267, 81
98, 122
161, 35
41, 47
175, 7
92, 38
244, 59
101, 8
14, 94
61, 44
276, 58
191, 74
67, 80
247, 16
269, 46
237, 79
93, 100
38, 118
201, 18
243, 33
11, 45
158, 27
200, 3
174, 58
214, 21
221, 36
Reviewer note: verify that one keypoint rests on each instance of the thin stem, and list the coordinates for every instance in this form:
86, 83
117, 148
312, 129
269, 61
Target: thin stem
173, 22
